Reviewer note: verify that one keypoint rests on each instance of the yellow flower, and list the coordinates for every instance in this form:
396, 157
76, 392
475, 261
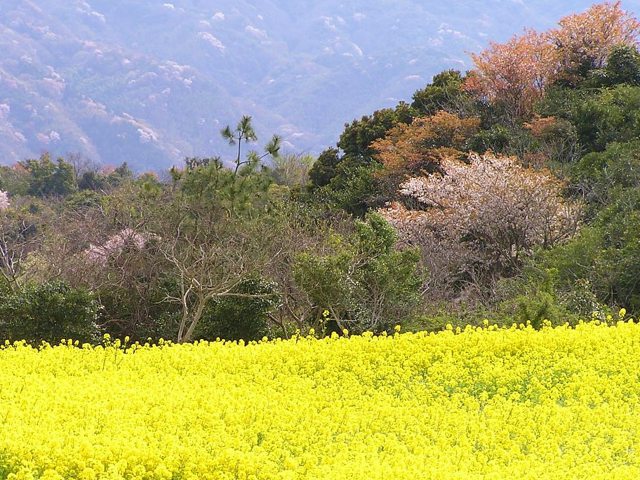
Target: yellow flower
484, 403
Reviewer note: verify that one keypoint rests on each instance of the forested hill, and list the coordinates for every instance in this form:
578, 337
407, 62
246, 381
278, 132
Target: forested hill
151, 82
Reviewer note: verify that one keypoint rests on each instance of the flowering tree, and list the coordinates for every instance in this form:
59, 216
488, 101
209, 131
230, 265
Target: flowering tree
584, 41
478, 220
514, 75
115, 245
4, 200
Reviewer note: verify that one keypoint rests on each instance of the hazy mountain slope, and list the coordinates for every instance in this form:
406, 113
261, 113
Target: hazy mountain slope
152, 81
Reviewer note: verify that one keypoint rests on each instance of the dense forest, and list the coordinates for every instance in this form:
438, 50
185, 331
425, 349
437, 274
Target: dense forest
509, 193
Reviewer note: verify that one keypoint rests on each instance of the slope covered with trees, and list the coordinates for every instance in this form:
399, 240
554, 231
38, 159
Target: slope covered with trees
508, 192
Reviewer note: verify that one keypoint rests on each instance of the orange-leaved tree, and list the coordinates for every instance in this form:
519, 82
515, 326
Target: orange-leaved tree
514, 75
419, 147
410, 148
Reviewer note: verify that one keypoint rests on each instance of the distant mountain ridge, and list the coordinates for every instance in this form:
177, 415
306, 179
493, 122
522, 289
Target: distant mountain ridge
151, 82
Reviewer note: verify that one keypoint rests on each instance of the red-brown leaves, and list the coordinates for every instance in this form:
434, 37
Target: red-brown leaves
515, 74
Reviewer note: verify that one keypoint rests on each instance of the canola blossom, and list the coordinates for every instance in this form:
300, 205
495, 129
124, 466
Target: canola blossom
483, 403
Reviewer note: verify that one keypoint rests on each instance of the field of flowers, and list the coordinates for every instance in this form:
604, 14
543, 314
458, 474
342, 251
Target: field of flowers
479, 404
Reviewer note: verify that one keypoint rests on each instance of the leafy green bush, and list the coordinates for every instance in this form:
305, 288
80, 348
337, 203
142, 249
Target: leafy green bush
364, 283
49, 312
240, 317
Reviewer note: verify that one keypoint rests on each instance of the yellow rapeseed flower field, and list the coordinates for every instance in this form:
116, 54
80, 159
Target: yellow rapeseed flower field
488, 403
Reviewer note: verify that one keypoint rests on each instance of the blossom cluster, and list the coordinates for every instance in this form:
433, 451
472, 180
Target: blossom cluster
498, 191
479, 219
4, 200
478, 403
115, 245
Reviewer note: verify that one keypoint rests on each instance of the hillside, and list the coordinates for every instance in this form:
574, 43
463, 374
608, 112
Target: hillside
152, 83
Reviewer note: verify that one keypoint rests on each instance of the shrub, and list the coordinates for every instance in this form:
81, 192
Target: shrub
242, 317
49, 312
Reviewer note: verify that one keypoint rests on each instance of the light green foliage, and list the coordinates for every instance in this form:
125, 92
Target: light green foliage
14, 180
244, 132
611, 116
213, 186
604, 176
533, 297
292, 170
235, 190
600, 266
605, 254
363, 281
